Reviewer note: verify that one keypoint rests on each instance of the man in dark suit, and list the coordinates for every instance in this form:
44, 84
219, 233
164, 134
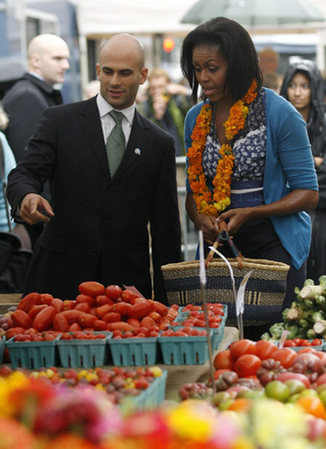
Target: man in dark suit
97, 223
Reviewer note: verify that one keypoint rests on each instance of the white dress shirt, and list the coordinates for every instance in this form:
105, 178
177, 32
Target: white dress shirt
108, 122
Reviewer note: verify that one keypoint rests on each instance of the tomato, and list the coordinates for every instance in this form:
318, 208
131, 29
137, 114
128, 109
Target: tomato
83, 307
240, 347
287, 375
103, 310
44, 319
247, 365
265, 349
28, 301
21, 319
298, 341
100, 325
90, 300
277, 390
101, 300
313, 406
220, 371
91, 288
160, 308
289, 344
316, 342
87, 320
122, 307
285, 356
60, 323
141, 309
223, 359
35, 310
133, 322
114, 292
57, 304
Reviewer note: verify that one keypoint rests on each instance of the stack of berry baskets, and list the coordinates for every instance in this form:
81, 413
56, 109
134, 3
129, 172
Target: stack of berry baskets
193, 315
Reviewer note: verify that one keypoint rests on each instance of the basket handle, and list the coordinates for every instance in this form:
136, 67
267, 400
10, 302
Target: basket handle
224, 236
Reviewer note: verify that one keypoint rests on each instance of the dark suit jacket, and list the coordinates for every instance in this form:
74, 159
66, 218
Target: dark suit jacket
100, 228
24, 104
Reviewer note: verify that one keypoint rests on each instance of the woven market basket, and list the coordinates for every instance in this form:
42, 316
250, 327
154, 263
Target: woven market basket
264, 293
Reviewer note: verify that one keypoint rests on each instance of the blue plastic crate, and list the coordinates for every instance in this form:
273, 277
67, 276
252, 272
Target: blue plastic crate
32, 354
192, 350
134, 351
83, 353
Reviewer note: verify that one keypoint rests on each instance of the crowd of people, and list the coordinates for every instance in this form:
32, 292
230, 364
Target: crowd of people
90, 176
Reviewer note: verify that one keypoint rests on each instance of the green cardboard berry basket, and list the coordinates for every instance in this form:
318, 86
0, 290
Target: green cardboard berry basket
133, 351
32, 354
150, 398
191, 350
83, 353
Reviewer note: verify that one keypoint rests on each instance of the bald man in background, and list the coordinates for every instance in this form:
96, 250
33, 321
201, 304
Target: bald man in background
48, 60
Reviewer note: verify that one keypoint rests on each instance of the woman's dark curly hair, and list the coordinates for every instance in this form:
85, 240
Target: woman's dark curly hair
234, 44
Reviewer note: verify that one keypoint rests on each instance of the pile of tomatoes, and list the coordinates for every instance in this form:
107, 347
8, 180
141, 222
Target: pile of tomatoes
96, 307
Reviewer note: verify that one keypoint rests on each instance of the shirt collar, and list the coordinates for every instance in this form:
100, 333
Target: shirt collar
104, 108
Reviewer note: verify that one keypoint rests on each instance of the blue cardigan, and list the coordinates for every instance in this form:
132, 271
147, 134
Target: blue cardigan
289, 165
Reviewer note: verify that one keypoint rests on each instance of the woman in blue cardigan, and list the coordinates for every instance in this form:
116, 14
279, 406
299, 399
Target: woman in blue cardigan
249, 160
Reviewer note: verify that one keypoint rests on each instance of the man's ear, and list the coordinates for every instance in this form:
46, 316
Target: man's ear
143, 75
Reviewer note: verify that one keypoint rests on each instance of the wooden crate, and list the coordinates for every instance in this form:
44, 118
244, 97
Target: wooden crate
9, 299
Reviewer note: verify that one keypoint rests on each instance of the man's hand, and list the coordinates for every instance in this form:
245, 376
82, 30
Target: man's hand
34, 207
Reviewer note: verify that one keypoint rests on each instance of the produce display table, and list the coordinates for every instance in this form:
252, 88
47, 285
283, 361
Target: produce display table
178, 375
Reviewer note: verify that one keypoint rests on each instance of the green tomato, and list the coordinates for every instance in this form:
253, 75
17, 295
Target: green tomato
294, 397
277, 390
225, 404
295, 386
220, 397
309, 392
322, 396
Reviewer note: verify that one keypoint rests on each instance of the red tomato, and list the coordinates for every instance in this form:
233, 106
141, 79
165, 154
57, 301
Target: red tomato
265, 349
289, 344
316, 342
247, 365
285, 356
91, 288
223, 359
113, 291
240, 347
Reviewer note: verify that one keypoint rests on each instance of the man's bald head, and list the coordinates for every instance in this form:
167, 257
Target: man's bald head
125, 42
121, 69
48, 56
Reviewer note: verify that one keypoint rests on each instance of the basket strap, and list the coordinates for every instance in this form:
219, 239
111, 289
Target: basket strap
224, 236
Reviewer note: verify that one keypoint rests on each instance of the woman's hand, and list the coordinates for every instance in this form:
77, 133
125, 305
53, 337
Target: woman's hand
202, 222
207, 224
235, 218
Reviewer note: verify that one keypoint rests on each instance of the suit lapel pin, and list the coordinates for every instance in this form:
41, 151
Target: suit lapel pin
138, 151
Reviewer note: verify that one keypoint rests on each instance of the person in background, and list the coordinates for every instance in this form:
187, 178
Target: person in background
249, 161
273, 81
166, 106
111, 172
303, 87
268, 60
9, 163
48, 60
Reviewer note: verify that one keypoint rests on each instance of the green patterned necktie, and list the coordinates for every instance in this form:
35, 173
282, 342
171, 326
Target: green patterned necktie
116, 142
